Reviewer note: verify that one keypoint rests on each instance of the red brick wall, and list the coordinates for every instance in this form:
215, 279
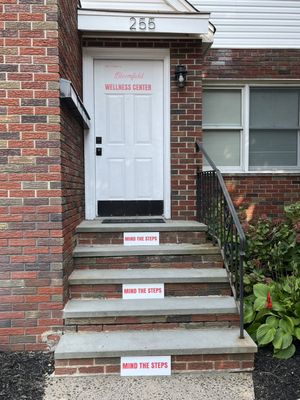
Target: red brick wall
72, 141
261, 193
258, 195
186, 116
41, 183
252, 64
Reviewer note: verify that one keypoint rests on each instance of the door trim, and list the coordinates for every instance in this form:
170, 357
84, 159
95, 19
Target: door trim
89, 56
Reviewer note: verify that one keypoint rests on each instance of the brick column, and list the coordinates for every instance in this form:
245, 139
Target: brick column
31, 236
186, 127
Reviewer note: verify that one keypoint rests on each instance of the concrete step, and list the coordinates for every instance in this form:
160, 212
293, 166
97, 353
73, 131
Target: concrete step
96, 238
97, 233
150, 275
107, 283
152, 343
168, 226
201, 305
160, 250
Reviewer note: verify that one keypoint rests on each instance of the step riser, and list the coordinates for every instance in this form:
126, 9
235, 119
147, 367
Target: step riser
153, 326
153, 322
179, 261
171, 289
117, 237
180, 364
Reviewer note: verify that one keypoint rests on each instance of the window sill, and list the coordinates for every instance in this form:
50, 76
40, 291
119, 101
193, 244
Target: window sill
251, 173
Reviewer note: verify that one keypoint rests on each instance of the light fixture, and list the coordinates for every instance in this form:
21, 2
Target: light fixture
180, 75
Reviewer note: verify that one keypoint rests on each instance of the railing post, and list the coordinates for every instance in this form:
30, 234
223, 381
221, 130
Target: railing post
241, 283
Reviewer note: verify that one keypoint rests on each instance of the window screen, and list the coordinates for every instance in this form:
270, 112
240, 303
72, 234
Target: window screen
274, 125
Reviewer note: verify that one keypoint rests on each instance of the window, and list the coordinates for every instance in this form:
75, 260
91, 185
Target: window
252, 128
222, 119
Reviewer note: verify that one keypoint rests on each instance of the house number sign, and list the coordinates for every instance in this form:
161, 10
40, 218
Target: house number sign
142, 24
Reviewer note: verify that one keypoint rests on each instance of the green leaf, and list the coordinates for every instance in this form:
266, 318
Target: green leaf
296, 321
287, 288
287, 325
252, 329
247, 280
297, 309
261, 290
287, 340
286, 353
297, 333
249, 314
259, 304
278, 339
262, 314
276, 306
250, 299
265, 334
272, 321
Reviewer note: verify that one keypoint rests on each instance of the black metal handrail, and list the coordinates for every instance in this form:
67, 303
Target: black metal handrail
216, 210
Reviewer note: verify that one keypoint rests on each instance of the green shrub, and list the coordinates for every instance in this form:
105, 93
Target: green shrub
272, 250
272, 282
273, 315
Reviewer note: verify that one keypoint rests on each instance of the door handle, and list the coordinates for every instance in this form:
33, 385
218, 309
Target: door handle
99, 151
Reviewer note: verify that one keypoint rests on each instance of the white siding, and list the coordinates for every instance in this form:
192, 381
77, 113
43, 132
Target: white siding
254, 23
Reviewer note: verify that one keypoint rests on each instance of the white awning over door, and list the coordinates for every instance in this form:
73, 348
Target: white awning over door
147, 18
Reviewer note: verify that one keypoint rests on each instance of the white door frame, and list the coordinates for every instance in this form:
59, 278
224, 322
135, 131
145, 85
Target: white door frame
89, 56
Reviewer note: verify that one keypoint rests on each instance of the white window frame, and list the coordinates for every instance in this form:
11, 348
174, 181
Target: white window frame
245, 128
229, 128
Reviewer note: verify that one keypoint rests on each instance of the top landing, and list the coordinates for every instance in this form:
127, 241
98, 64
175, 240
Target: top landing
167, 226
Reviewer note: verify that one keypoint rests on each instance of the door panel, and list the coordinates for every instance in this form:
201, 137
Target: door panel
115, 132
143, 123
144, 177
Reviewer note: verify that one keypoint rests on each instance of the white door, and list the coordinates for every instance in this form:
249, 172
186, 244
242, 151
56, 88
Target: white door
129, 135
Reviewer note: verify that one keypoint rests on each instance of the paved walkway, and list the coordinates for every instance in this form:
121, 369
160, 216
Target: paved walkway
206, 386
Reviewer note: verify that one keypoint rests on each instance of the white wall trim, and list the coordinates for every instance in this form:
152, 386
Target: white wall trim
89, 56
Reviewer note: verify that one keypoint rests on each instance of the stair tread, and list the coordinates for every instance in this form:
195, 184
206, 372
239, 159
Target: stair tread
150, 275
164, 342
114, 250
168, 226
90, 308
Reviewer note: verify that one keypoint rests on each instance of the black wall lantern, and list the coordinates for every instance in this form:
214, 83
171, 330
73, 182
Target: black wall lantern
180, 75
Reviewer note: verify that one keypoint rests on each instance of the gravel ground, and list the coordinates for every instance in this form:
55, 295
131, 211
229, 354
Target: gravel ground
25, 376
205, 386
